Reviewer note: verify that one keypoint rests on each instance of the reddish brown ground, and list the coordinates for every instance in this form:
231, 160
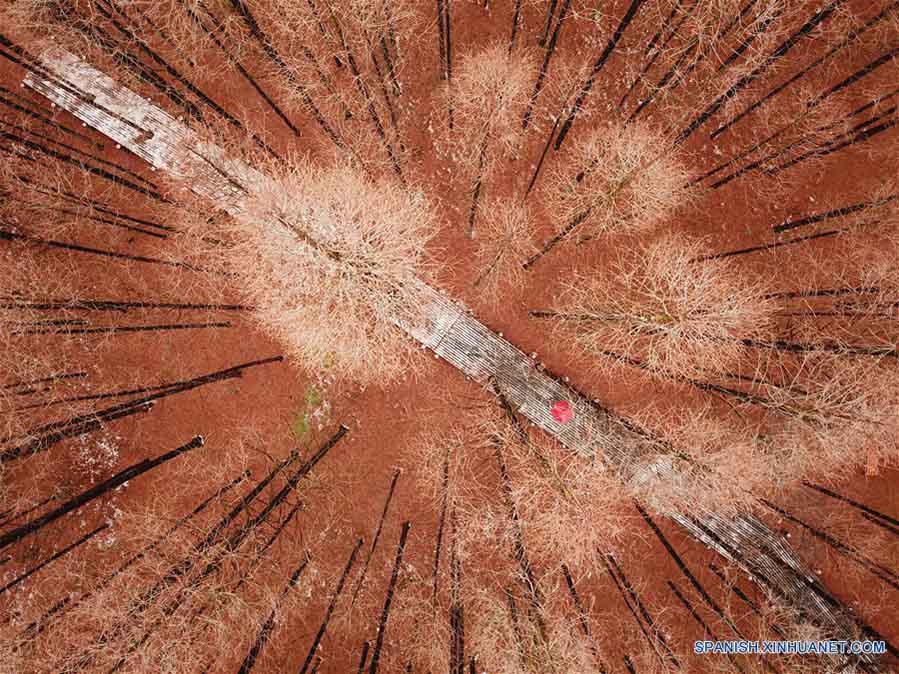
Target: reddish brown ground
384, 424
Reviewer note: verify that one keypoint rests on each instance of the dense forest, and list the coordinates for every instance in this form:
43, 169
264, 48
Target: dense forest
521, 337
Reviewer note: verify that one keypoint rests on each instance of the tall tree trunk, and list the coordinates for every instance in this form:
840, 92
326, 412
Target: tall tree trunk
707, 631
798, 347
91, 30
528, 577
633, 602
199, 550
391, 589
43, 380
50, 434
39, 625
19, 533
134, 175
807, 28
600, 62
363, 657
72, 304
516, 19
265, 631
213, 537
385, 52
257, 557
544, 66
780, 151
771, 246
850, 37
12, 514
335, 596
79, 426
859, 134
882, 524
692, 578
841, 212
186, 83
663, 83
81, 201
823, 292
440, 525
441, 37
855, 504
478, 185
117, 329
85, 216
231, 543
33, 570
558, 238
877, 570
21, 143
522, 646
377, 536
758, 30
650, 49
732, 587
211, 32
273, 55
14, 234
444, 6
383, 86
550, 15
822, 150
21, 105
647, 617
549, 142
629, 664
365, 94
457, 610
583, 618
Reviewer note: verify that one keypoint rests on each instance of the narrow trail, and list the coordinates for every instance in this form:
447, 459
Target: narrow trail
452, 334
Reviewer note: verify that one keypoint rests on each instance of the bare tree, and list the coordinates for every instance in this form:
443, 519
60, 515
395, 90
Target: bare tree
423, 625
809, 417
505, 241
655, 305
832, 404
554, 490
627, 179
488, 96
778, 373
332, 275
508, 642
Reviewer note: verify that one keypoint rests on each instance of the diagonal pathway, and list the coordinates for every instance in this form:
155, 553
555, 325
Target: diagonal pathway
453, 335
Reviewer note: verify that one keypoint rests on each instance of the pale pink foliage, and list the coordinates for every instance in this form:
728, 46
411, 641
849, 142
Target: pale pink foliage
333, 273
505, 240
625, 178
487, 96
657, 306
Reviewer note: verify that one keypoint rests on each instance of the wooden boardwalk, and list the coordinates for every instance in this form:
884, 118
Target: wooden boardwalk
451, 333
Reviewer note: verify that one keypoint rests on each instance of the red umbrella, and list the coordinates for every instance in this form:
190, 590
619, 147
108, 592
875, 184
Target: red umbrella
562, 411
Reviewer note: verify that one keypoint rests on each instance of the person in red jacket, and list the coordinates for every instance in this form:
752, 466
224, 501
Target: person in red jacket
562, 411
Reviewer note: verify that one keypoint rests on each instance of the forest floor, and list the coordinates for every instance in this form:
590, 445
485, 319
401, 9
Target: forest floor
266, 405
